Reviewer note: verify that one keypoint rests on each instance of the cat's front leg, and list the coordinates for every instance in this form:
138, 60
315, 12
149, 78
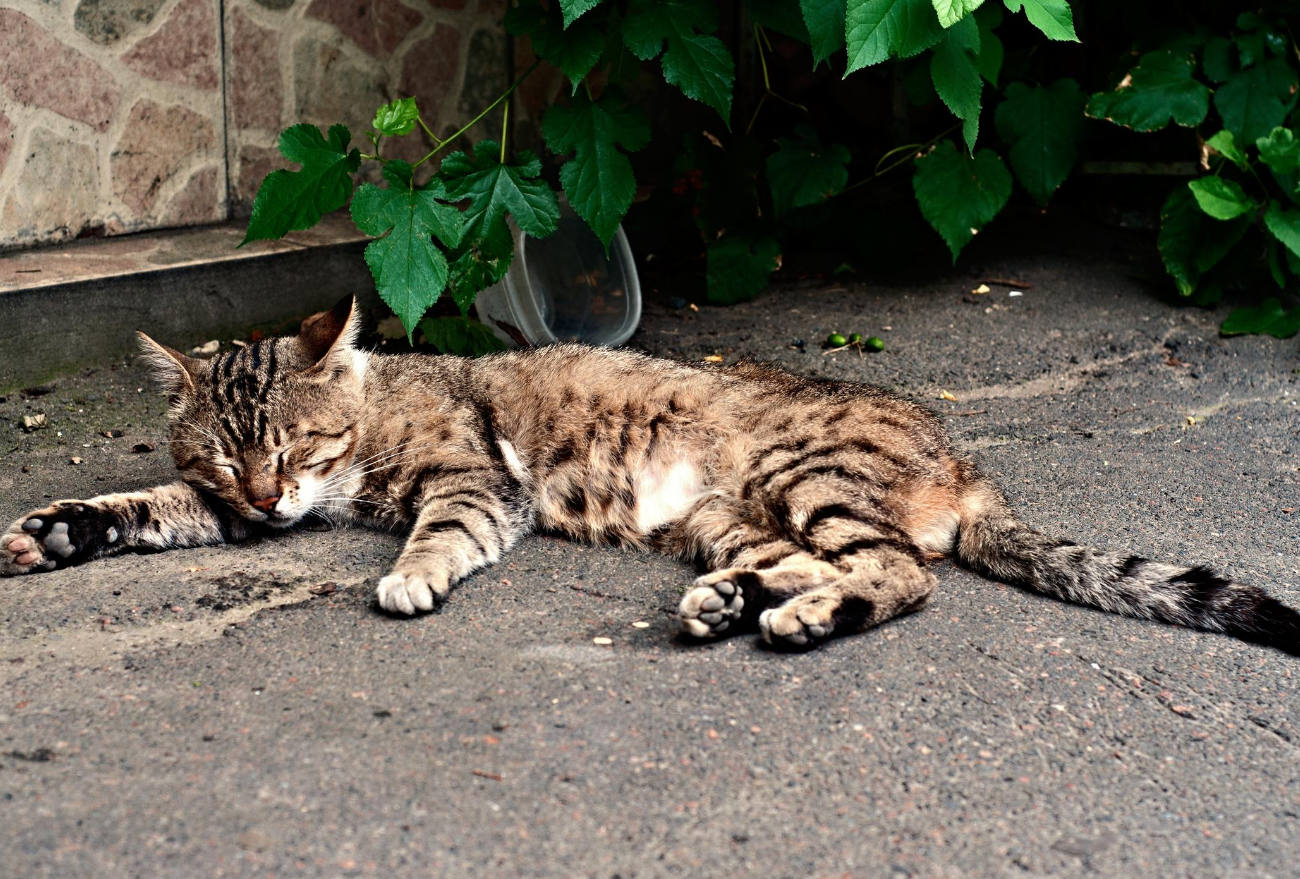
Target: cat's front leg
68, 533
454, 535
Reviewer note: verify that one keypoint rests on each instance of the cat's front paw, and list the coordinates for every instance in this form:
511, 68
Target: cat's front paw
412, 592
714, 605
64, 534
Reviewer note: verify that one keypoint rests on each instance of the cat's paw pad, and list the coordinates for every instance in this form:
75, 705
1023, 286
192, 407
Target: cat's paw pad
712, 607
51, 538
798, 624
411, 593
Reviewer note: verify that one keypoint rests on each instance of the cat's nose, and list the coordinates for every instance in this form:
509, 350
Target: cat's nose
265, 504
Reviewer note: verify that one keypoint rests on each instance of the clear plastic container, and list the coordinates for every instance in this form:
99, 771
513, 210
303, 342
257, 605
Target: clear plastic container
564, 289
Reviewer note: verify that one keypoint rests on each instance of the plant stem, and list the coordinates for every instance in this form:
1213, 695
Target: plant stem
505, 119
912, 150
486, 110
433, 137
759, 37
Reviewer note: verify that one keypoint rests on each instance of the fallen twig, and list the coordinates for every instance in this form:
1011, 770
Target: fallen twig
1009, 282
481, 774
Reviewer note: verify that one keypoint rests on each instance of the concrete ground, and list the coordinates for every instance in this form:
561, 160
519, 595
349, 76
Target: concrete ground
245, 711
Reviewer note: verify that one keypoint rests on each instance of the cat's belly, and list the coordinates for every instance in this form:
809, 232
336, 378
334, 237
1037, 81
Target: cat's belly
665, 492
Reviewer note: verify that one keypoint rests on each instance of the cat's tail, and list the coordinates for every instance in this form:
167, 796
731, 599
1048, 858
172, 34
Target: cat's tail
993, 542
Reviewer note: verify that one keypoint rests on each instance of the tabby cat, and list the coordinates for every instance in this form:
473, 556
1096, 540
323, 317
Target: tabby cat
813, 505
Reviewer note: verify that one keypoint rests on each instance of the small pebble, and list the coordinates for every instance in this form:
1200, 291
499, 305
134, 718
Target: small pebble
602, 641
640, 624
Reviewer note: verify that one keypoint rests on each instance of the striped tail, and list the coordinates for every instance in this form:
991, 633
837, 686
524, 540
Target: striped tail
994, 543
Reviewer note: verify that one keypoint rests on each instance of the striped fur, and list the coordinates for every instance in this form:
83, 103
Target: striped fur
812, 505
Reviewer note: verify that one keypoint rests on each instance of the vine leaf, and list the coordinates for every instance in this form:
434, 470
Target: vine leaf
988, 17
739, 266
480, 262
1190, 243
952, 11
1225, 145
1043, 124
697, 63
289, 200
1269, 317
1285, 226
410, 271
877, 29
460, 336
397, 118
495, 189
1256, 100
825, 22
956, 76
575, 50
1052, 17
598, 179
1159, 89
804, 171
784, 17
1216, 59
1280, 150
959, 193
573, 9
1220, 198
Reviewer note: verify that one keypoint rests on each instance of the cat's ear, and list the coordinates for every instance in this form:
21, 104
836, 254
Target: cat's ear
327, 338
174, 372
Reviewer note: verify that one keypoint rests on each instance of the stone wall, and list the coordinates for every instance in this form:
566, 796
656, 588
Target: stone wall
123, 115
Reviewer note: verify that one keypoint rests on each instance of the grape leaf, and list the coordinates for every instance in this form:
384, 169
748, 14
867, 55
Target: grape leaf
1220, 198
460, 336
1255, 101
1225, 145
598, 179
781, 16
1280, 150
1043, 124
952, 11
1216, 60
1268, 318
1190, 243
739, 266
289, 200
575, 50
410, 271
397, 118
877, 29
1285, 226
825, 22
988, 17
1161, 88
698, 64
479, 263
1052, 17
574, 8
957, 78
959, 193
495, 189
803, 171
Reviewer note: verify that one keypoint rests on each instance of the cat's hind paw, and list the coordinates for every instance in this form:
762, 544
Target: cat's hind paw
713, 606
800, 623
411, 593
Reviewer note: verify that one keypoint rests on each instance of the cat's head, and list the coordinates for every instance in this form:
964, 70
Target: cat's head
268, 428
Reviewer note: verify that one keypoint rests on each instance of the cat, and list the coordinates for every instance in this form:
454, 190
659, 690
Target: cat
813, 505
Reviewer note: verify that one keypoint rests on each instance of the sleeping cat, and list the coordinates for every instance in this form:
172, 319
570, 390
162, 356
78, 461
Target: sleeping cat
813, 505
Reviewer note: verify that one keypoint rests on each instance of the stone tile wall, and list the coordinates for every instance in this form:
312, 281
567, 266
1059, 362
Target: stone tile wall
123, 115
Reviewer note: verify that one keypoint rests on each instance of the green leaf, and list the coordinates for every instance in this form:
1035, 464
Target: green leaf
620, 65
877, 29
1052, 17
952, 11
698, 64
988, 17
825, 22
289, 200
1280, 150
598, 179
782, 16
397, 118
957, 78
1043, 126
460, 336
495, 189
958, 193
1216, 60
1269, 317
1190, 243
1161, 88
739, 266
1274, 256
1285, 226
1220, 198
1226, 145
575, 51
574, 8
1255, 101
479, 263
410, 271
803, 171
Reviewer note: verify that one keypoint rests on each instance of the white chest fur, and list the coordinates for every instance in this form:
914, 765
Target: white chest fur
665, 492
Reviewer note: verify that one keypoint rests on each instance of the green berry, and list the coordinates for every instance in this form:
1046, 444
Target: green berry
855, 338
836, 340
875, 343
